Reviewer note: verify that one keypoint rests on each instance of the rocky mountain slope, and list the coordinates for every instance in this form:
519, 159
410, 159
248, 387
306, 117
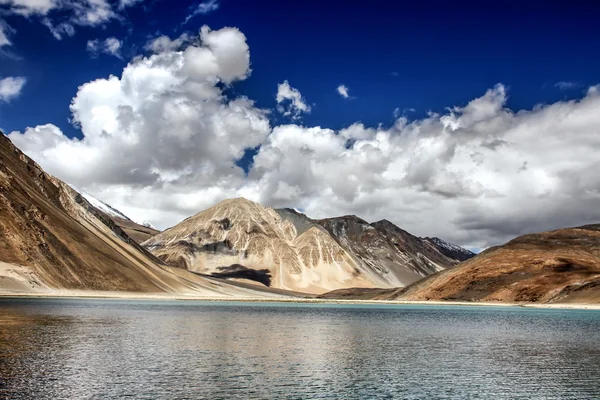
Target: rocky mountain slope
557, 266
285, 249
52, 238
392, 253
139, 232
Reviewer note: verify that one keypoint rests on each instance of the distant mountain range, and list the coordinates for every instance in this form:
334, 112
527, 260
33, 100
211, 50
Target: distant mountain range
287, 250
53, 238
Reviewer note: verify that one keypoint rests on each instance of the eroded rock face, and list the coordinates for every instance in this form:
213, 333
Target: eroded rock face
299, 253
393, 254
238, 231
548, 267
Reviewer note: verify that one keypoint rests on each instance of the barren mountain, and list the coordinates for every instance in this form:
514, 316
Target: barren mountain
241, 239
52, 238
556, 266
285, 249
136, 231
392, 253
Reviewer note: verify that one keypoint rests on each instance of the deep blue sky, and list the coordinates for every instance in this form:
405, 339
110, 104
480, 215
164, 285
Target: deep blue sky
391, 54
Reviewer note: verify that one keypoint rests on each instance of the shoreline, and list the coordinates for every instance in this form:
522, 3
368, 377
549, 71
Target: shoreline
283, 299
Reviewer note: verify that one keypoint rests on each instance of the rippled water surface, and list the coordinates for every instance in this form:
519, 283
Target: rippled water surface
97, 349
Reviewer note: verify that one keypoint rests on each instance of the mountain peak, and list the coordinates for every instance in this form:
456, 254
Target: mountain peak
347, 218
238, 200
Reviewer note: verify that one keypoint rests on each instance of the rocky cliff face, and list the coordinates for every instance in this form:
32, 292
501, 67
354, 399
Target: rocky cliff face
52, 238
556, 266
285, 249
394, 255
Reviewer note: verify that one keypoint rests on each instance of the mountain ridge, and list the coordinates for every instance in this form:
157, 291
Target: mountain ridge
299, 253
547, 267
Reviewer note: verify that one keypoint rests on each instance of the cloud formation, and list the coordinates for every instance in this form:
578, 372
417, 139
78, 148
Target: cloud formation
290, 102
203, 8
111, 46
11, 87
165, 43
4, 34
128, 3
162, 140
343, 91
566, 85
61, 16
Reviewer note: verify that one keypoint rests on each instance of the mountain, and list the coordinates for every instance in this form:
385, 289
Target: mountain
451, 250
52, 238
390, 252
139, 232
285, 249
549, 267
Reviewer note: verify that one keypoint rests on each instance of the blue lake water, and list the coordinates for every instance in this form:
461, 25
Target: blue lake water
109, 349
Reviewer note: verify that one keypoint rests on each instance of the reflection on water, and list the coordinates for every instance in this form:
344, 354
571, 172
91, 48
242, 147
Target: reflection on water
98, 349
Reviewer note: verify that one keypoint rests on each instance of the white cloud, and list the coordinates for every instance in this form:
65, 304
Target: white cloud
5, 31
111, 46
59, 31
128, 3
11, 87
343, 91
165, 43
161, 141
163, 126
30, 7
398, 112
203, 8
566, 85
61, 16
290, 101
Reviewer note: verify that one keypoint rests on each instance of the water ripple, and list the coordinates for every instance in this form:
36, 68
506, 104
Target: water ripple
99, 349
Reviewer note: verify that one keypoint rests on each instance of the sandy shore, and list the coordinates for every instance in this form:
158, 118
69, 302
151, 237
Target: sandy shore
281, 299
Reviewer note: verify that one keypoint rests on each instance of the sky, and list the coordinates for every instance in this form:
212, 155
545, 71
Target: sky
470, 122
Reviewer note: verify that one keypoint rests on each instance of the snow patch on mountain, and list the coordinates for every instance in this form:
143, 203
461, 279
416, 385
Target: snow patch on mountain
102, 206
148, 225
451, 249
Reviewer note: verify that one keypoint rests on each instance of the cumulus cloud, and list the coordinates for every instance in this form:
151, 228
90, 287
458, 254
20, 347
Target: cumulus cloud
11, 87
162, 139
343, 91
163, 126
203, 8
111, 46
290, 101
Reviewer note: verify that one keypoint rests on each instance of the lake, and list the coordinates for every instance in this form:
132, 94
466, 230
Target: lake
105, 349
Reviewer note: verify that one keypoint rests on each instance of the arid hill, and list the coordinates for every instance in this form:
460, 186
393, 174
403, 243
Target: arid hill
398, 256
139, 233
51, 237
558, 266
285, 249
